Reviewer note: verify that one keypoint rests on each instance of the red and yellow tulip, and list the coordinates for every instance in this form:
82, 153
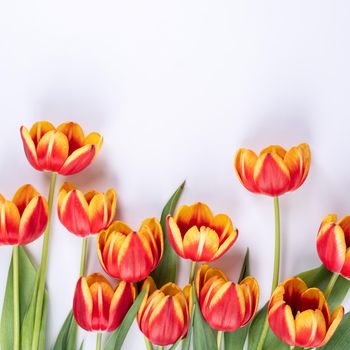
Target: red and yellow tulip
85, 214
226, 306
131, 255
333, 244
64, 150
23, 219
99, 307
275, 171
300, 316
196, 234
163, 316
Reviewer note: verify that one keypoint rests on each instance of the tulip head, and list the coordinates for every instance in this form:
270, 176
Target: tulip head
23, 219
64, 150
226, 306
275, 171
163, 316
99, 307
300, 316
333, 244
85, 214
196, 234
129, 255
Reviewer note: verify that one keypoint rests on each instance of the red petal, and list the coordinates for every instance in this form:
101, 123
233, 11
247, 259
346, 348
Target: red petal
78, 160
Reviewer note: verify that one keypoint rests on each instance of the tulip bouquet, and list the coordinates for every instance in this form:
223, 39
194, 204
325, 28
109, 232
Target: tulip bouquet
211, 312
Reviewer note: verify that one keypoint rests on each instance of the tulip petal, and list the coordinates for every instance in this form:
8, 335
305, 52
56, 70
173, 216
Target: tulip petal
226, 245
38, 130
98, 213
78, 160
52, 151
250, 289
95, 139
111, 196
344, 223
295, 163
245, 161
200, 245
29, 148
345, 271
83, 304
174, 235
74, 134
153, 230
9, 223
271, 175
331, 247
337, 317
23, 196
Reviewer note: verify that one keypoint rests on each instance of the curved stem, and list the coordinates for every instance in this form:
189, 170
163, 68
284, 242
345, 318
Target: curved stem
83, 256
98, 341
149, 345
276, 267
331, 284
43, 267
219, 339
16, 321
193, 270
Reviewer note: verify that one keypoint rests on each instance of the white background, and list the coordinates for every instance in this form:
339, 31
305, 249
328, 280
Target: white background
176, 87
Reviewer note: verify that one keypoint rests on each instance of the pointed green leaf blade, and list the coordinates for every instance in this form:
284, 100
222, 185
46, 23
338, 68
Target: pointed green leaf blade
166, 270
67, 336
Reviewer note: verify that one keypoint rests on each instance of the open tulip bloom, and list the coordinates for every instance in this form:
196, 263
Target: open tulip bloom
164, 315
300, 316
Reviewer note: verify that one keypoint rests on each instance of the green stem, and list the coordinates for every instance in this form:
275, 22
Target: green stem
16, 321
149, 345
331, 284
83, 256
276, 268
160, 347
219, 339
98, 341
193, 270
43, 268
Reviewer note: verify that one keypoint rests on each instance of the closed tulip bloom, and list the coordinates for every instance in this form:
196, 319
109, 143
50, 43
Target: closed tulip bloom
226, 306
130, 255
196, 234
163, 316
99, 307
23, 219
275, 171
300, 316
64, 150
85, 214
333, 244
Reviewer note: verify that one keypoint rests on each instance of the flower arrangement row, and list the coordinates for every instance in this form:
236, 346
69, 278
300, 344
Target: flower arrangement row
210, 312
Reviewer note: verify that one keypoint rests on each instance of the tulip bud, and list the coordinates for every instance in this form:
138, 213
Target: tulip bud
275, 171
300, 316
163, 316
129, 255
226, 306
99, 307
85, 214
23, 219
196, 234
64, 149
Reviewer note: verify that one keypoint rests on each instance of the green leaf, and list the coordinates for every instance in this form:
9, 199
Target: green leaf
187, 341
204, 337
43, 323
341, 337
116, 340
26, 286
166, 270
235, 340
317, 277
67, 336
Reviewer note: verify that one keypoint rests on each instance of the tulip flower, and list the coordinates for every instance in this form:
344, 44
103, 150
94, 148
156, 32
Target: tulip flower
275, 171
129, 255
99, 307
23, 219
64, 150
226, 306
333, 244
163, 316
84, 214
300, 316
196, 234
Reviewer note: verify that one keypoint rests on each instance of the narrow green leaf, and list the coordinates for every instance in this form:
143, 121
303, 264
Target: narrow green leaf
187, 342
43, 323
166, 270
26, 280
67, 336
81, 345
204, 337
341, 337
116, 340
236, 340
